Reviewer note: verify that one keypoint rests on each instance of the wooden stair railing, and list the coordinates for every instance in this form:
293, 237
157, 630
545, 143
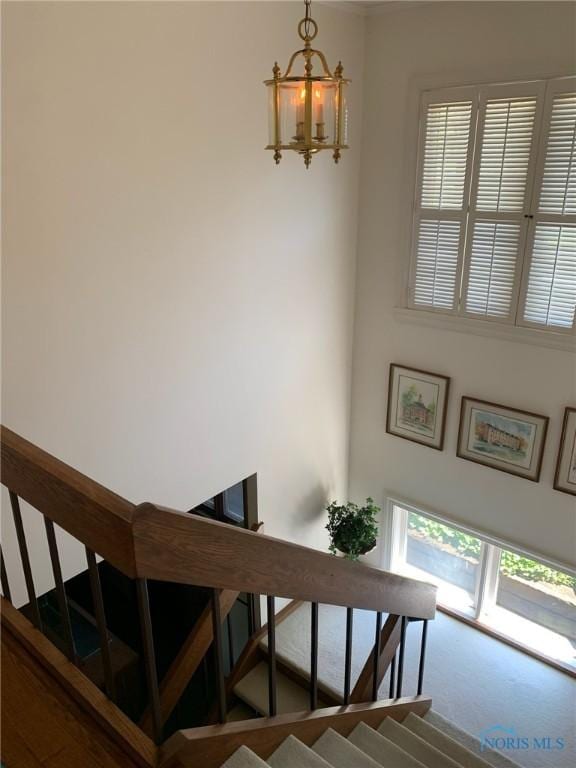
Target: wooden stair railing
151, 542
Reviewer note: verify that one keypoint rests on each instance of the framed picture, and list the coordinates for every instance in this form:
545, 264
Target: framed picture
565, 477
501, 437
417, 405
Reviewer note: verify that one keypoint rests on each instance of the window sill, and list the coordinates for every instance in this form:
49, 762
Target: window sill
561, 341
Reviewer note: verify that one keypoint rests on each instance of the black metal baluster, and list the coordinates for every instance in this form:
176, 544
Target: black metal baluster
376, 661
4, 578
24, 556
218, 660
100, 617
392, 677
348, 657
205, 678
422, 656
60, 590
251, 613
230, 642
272, 695
149, 657
401, 656
314, 658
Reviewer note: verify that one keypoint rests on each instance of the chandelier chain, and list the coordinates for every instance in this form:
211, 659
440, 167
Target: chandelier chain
307, 18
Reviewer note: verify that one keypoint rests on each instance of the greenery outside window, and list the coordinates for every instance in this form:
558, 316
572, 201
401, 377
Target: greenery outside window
516, 596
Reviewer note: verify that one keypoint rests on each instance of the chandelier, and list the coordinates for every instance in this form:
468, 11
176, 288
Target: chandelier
307, 113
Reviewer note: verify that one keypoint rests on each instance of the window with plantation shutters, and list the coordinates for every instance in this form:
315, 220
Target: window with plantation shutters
494, 233
549, 290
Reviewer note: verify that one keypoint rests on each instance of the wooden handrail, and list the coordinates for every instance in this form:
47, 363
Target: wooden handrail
98, 518
171, 546
153, 542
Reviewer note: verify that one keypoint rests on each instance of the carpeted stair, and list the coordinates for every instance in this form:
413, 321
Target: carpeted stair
415, 743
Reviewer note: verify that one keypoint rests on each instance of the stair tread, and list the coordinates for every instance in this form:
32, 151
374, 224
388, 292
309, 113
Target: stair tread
341, 753
291, 697
437, 738
491, 756
381, 749
293, 644
427, 754
292, 753
244, 758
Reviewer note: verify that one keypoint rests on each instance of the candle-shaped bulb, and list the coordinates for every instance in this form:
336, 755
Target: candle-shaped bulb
319, 105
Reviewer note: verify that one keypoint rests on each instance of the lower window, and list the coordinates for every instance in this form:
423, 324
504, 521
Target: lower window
516, 596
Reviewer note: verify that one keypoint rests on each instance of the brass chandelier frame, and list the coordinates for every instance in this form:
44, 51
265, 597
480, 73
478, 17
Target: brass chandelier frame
308, 144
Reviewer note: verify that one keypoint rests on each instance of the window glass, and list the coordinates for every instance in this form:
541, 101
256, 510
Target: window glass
530, 590
447, 556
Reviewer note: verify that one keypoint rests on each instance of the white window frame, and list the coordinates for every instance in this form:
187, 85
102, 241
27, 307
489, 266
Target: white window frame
397, 509
544, 90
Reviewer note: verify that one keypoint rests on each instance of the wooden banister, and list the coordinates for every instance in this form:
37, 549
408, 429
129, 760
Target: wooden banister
173, 546
91, 513
148, 541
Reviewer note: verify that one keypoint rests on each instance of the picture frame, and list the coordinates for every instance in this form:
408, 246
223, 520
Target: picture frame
565, 475
417, 405
502, 437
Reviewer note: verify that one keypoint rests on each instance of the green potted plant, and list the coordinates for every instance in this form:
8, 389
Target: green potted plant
353, 530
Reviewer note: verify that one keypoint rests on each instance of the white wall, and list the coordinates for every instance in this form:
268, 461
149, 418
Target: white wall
177, 310
439, 45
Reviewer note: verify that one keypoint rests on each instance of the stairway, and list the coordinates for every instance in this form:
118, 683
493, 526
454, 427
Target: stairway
417, 742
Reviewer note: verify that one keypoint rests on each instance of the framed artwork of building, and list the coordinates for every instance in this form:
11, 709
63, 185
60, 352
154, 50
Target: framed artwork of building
565, 477
501, 437
417, 403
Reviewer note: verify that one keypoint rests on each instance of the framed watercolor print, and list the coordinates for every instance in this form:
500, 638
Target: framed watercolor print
417, 405
565, 477
501, 437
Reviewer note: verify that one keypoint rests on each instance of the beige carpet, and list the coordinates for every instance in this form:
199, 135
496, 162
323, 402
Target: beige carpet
475, 681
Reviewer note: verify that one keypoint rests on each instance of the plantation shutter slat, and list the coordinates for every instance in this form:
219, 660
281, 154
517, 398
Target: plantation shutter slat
445, 161
506, 142
558, 192
492, 268
500, 189
550, 282
445, 155
438, 249
550, 295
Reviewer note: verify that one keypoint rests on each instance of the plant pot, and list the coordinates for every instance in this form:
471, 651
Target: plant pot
370, 547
